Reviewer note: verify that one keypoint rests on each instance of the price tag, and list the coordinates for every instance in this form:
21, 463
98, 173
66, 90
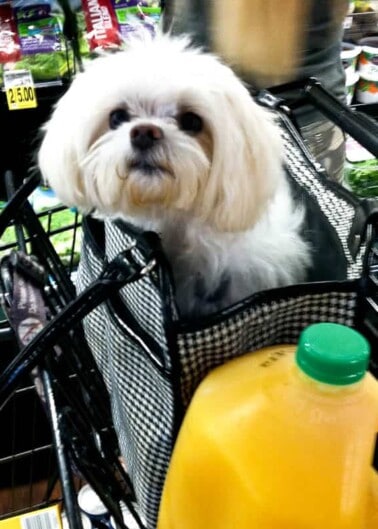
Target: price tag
19, 88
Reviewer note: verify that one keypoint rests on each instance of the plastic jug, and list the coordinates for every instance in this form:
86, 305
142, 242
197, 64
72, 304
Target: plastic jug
372, 517
279, 439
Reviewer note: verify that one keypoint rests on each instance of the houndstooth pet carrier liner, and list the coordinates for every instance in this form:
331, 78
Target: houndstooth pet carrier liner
152, 361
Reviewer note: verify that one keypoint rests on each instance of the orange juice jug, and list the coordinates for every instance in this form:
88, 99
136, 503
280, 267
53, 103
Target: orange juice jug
372, 517
278, 439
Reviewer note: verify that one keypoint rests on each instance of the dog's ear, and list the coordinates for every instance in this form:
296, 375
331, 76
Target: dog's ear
58, 158
247, 160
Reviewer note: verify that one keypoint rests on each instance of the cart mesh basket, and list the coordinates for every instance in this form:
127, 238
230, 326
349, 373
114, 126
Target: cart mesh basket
28, 466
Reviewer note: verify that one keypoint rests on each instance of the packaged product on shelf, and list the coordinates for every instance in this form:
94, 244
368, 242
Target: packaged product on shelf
9, 41
84, 48
42, 46
367, 90
133, 16
101, 25
368, 59
350, 84
107, 24
367, 86
349, 57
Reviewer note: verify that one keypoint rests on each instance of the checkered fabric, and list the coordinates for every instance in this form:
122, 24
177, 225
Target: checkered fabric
339, 212
276, 318
152, 362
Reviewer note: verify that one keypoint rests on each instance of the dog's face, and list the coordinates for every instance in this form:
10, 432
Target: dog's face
162, 128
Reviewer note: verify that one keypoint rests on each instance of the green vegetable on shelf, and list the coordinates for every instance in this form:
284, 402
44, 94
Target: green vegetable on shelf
362, 177
45, 66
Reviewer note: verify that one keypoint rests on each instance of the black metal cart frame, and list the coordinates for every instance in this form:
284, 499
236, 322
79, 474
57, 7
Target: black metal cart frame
73, 393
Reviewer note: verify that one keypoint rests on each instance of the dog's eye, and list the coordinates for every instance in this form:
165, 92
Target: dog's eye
190, 122
117, 117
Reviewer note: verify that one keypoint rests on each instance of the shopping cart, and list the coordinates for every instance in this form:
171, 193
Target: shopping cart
36, 285
70, 387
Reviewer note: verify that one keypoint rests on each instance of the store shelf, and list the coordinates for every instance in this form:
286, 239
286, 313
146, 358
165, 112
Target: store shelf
360, 25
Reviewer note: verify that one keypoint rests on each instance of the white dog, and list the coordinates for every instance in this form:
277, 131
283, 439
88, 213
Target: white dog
168, 138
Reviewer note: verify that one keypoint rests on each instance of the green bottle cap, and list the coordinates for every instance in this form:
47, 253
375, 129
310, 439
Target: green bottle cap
333, 353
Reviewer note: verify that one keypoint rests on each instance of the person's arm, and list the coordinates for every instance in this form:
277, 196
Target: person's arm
260, 37
264, 40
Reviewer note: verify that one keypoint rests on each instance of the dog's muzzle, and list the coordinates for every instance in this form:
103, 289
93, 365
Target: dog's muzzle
145, 137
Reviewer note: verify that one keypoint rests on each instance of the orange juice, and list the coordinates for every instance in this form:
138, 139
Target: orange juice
278, 440
372, 518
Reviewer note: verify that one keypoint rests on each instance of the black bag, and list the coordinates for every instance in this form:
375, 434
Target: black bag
152, 360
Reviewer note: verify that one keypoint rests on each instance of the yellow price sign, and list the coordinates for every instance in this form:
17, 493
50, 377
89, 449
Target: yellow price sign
19, 97
20, 91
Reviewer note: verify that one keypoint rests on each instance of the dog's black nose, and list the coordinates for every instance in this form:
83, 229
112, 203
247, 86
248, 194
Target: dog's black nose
144, 137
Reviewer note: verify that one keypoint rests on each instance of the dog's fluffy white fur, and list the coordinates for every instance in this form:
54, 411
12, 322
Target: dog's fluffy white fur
205, 171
